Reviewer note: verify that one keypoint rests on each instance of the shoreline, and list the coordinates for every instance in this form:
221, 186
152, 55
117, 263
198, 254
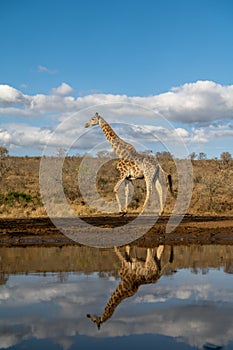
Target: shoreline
192, 229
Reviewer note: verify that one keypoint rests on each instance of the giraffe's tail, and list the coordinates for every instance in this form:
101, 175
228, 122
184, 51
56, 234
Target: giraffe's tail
169, 178
170, 185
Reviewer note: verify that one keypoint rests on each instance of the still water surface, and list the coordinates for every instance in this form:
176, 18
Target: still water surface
186, 303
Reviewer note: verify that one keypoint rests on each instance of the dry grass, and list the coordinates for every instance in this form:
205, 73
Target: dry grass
20, 192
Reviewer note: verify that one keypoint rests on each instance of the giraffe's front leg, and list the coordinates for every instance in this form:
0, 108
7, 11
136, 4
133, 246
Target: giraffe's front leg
126, 196
124, 260
116, 188
150, 261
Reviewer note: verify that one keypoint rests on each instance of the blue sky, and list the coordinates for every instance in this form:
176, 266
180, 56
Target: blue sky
173, 57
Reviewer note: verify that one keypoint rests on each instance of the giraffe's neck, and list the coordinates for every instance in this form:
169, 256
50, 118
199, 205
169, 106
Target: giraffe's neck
107, 130
120, 147
122, 292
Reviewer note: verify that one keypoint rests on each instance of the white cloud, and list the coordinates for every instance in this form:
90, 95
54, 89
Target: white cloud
11, 96
200, 135
5, 137
211, 133
182, 132
200, 102
200, 105
25, 135
63, 90
191, 311
43, 69
43, 104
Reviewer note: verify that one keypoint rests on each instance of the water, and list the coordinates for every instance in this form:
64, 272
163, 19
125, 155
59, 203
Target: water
46, 293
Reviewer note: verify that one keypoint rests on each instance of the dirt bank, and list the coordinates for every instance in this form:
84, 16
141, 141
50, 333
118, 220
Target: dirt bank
192, 229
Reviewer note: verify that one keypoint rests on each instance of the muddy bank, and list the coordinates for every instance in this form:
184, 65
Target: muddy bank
192, 229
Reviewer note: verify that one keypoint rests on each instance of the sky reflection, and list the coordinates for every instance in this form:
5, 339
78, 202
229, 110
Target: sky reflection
181, 311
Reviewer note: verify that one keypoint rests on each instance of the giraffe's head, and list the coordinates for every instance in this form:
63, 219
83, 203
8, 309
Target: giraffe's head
95, 319
93, 121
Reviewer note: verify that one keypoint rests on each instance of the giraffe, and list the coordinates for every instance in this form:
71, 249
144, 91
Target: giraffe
133, 164
133, 273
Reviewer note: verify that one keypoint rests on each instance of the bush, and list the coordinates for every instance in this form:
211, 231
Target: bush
12, 196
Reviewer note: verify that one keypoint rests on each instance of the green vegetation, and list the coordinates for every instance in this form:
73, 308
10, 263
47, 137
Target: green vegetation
12, 196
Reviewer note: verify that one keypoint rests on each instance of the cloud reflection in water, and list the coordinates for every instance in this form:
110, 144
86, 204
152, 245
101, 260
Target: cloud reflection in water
185, 307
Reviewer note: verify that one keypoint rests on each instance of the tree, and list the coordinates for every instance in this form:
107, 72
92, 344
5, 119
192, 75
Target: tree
226, 157
3, 161
3, 152
61, 152
193, 155
202, 156
164, 156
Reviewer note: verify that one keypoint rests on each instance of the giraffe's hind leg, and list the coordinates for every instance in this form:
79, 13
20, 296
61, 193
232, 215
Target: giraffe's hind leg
160, 250
148, 191
160, 193
126, 195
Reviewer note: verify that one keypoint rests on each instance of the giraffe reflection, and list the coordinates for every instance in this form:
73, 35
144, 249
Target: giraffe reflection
133, 273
